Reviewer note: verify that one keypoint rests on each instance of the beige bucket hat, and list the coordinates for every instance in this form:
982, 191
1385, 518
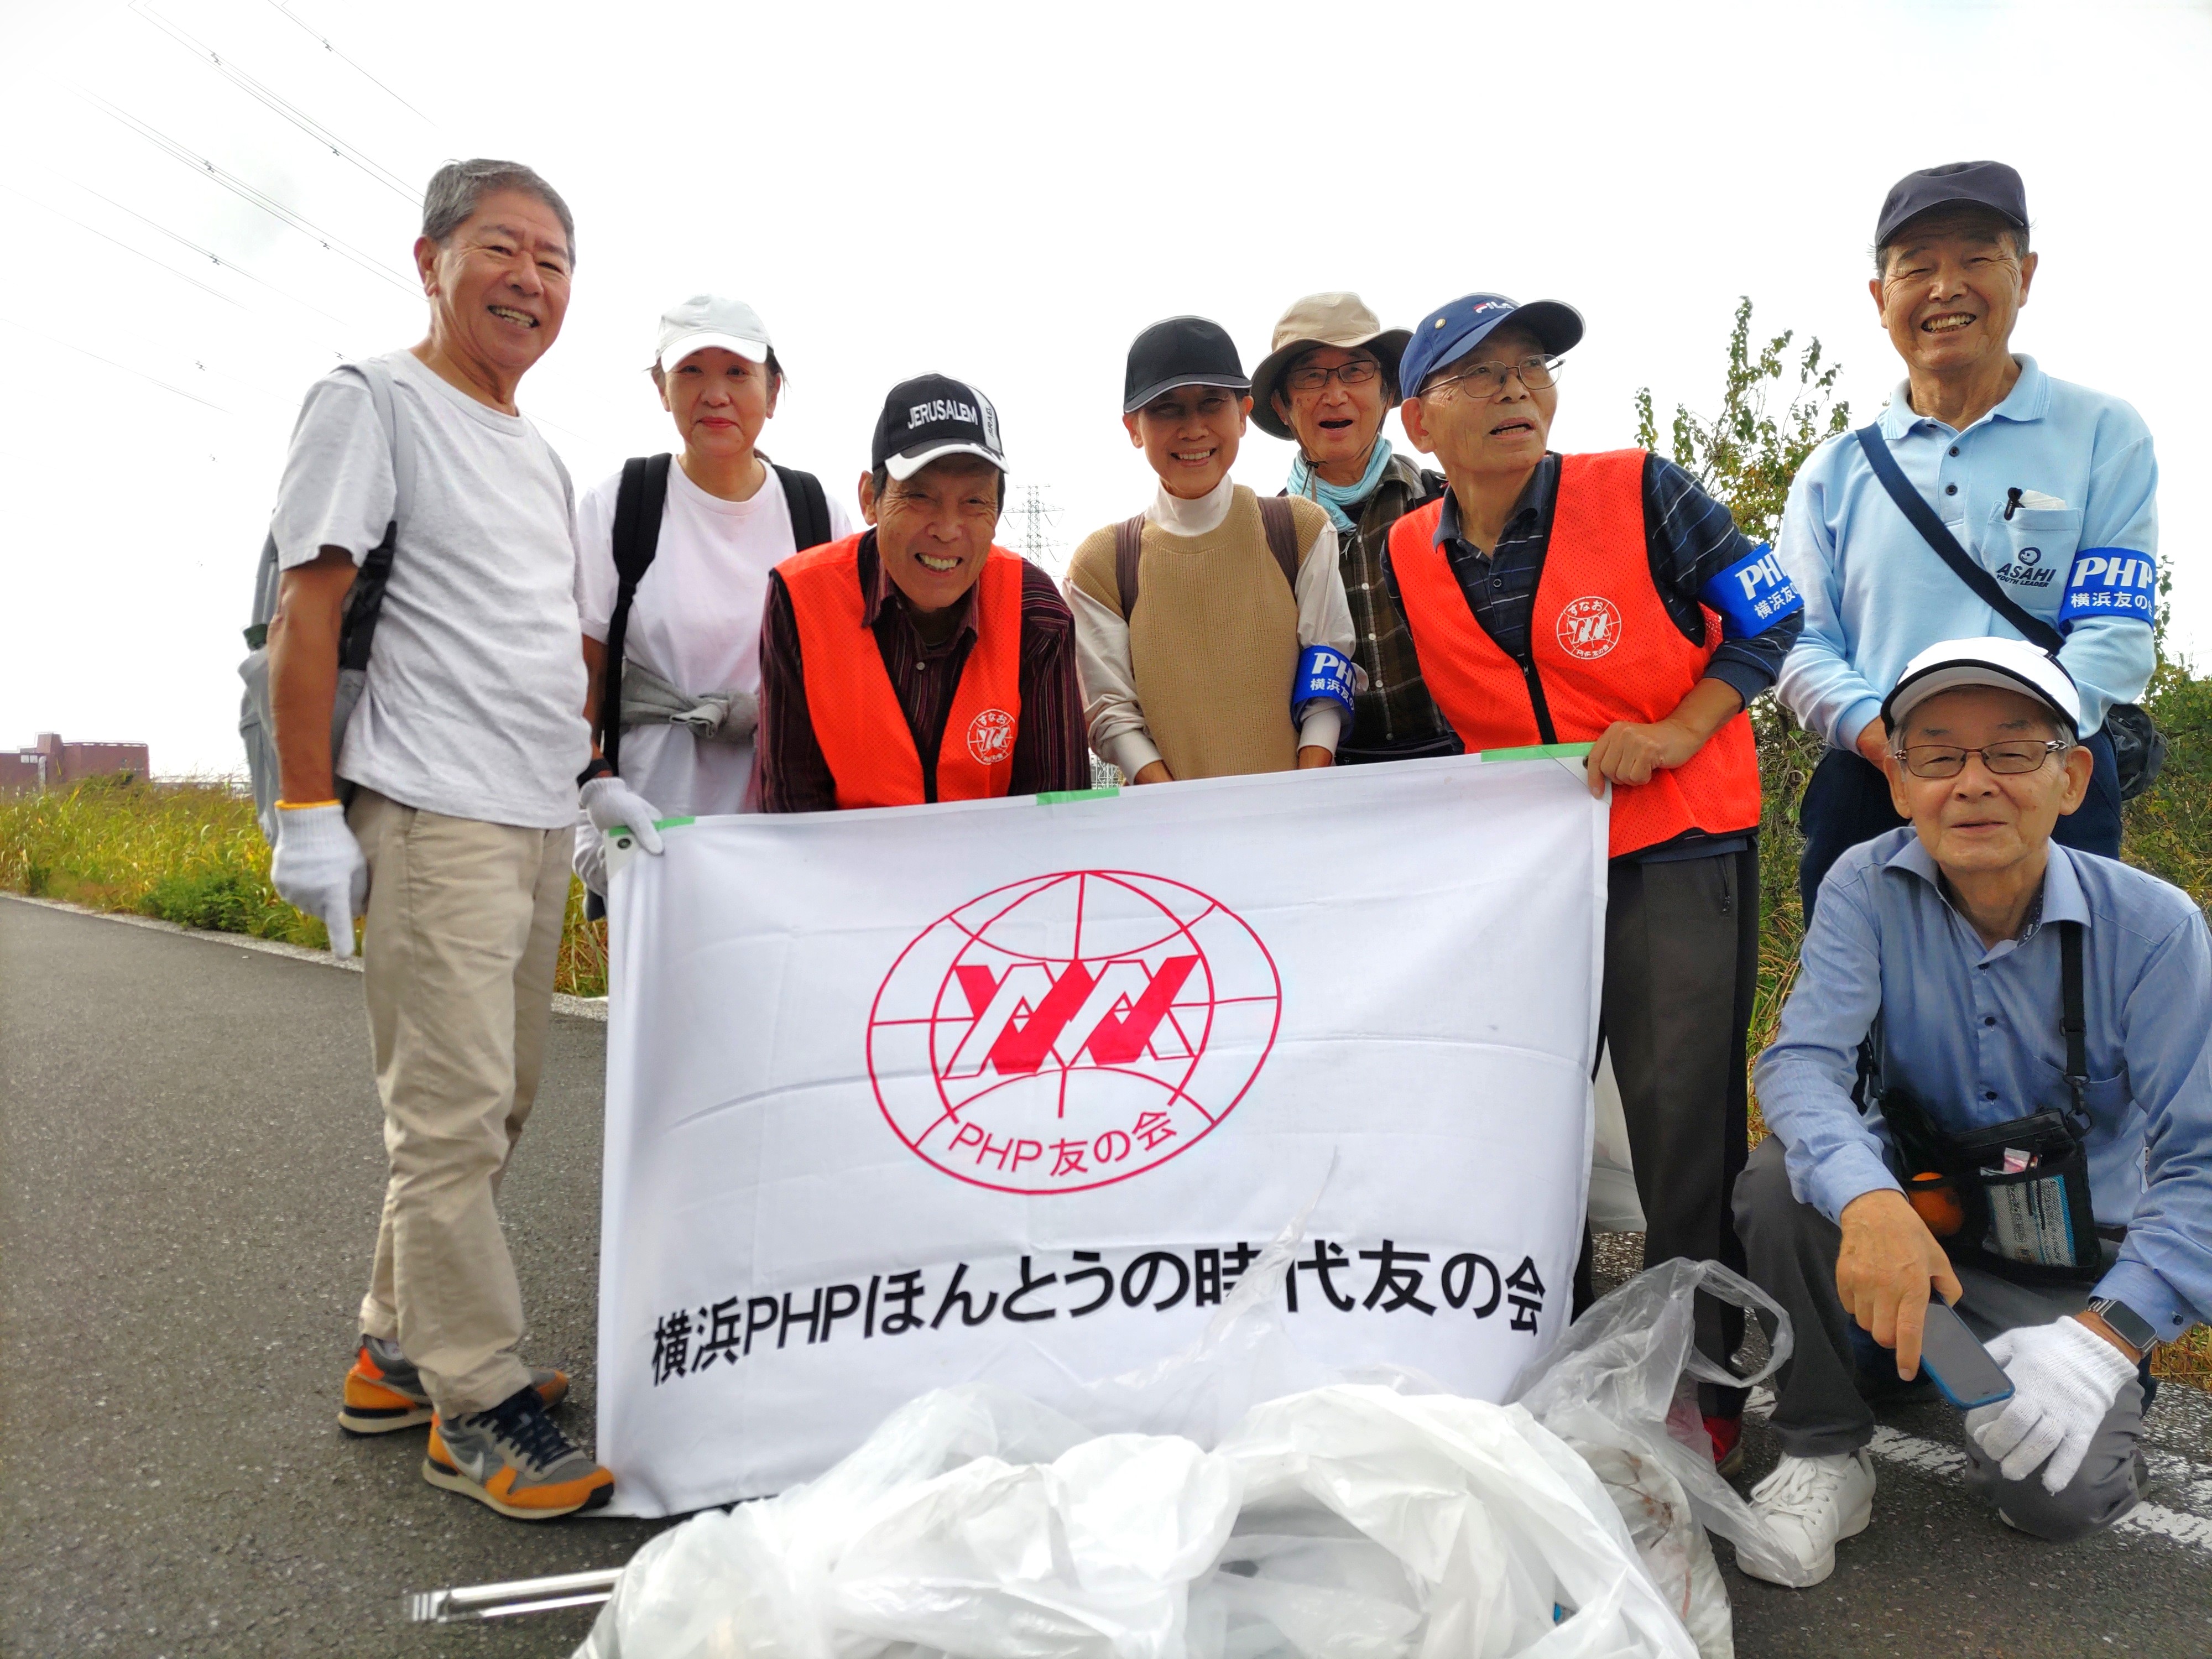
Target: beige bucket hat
1320, 320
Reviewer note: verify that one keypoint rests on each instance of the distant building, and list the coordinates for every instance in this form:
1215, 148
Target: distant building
49, 763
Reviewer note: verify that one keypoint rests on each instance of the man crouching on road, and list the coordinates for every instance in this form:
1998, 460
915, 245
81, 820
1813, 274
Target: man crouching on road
917, 662
2069, 1171
462, 759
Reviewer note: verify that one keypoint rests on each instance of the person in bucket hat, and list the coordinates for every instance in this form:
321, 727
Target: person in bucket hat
1328, 381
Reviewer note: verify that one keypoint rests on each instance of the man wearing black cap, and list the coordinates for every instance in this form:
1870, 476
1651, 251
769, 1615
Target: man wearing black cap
1215, 640
2036, 502
918, 662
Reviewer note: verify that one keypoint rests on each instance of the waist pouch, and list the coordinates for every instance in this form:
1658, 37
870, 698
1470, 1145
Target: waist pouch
2034, 1225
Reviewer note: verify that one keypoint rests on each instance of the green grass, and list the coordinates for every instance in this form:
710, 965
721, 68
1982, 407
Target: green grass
191, 853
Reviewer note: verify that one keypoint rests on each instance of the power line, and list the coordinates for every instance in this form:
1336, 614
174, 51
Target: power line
320, 40
299, 118
55, 339
237, 187
209, 254
94, 231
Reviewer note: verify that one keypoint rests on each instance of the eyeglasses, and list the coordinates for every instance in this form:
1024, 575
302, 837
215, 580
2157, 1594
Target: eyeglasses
1312, 377
1941, 760
1488, 379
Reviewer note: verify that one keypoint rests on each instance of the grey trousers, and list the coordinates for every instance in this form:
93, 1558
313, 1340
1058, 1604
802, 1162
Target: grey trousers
1819, 1411
1682, 962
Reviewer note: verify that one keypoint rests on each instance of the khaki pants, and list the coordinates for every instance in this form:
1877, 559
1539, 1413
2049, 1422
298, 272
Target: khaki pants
463, 931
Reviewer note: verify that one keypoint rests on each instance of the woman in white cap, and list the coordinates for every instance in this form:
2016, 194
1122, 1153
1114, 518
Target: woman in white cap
1328, 381
672, 575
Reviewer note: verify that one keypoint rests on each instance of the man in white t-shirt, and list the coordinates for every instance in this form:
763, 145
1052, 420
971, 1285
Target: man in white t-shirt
676, 713
461, 761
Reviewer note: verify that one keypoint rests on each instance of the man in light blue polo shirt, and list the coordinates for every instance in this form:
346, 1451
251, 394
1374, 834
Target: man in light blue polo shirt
2069, 1171
2050, 487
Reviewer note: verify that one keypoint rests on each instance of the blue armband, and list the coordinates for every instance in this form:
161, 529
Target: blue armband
1753, 593
2110, 582
1324, 675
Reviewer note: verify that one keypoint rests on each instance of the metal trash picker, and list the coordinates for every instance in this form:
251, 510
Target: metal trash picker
480, 1601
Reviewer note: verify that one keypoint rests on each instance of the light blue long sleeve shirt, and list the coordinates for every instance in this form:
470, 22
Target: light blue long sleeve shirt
1876, 594
1973, 1031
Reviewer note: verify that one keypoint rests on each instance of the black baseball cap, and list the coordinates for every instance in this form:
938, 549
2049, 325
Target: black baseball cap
1990, 185
1179, 351
930, 416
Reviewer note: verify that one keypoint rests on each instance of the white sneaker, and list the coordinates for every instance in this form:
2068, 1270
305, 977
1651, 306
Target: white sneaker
1808, 1504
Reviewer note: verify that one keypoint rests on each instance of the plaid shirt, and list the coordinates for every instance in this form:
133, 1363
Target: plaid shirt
1395, 715
1051, 751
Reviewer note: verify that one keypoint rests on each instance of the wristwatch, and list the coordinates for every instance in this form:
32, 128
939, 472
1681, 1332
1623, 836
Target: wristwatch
2134, 1330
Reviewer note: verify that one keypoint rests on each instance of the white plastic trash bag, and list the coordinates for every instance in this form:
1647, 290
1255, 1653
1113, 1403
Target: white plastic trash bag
1624, 1377
1349, 1521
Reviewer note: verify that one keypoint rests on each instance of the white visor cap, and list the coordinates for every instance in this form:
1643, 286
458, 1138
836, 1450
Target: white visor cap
2007, 664
708, 319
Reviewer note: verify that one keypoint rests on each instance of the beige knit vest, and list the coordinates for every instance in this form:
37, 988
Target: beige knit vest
1214, 644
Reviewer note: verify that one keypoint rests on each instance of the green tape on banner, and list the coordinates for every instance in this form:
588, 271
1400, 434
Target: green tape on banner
1538, 751
1055, 797
675, 823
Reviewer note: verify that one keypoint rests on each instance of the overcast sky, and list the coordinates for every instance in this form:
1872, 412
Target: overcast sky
1004, 193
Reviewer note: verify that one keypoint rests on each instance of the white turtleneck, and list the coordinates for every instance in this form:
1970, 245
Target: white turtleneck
1118, 729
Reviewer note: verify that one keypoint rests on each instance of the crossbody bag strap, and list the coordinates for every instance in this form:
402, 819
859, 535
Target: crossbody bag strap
637, 537
2073, 1022
1934, 532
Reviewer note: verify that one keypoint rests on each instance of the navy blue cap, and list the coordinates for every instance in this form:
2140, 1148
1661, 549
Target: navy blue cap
1990, 185
1451, 330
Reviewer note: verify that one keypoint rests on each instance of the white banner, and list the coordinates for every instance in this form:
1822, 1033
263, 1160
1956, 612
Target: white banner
1014, 1091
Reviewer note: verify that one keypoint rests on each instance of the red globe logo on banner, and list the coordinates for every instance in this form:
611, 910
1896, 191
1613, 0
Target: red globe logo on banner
991, 737
1071, 1031
1589, 627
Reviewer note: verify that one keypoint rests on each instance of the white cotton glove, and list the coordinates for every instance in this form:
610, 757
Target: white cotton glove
591, 859
2065, 1379
319, 867
609, 803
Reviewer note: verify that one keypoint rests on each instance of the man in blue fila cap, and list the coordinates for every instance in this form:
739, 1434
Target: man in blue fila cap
1607, 599
1988, 499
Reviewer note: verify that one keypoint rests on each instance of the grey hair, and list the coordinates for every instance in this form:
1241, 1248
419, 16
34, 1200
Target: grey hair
879, 479
457, 186
2017, 234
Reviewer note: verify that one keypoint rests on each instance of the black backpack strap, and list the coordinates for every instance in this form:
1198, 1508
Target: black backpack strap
638, 504
2073, 1021
810, 507
1129, 550
1282, 527
1932, 530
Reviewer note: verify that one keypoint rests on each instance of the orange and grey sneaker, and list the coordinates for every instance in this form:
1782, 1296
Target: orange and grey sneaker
514, 1459
384, 1391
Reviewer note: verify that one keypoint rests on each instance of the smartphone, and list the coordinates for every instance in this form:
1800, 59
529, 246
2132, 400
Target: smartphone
1962, 1366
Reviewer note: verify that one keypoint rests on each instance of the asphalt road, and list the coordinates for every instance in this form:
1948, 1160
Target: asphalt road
192, 1170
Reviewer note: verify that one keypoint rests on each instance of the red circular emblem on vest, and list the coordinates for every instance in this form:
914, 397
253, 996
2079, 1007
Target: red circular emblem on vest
991, 737
1071, 1031
1589, 627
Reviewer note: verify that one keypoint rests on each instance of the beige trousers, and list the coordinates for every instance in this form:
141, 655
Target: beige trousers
463, 934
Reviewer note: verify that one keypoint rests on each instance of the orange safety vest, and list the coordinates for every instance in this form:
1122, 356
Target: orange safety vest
1604, 647
857, 717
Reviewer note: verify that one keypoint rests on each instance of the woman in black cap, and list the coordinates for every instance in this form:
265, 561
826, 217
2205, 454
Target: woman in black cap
1211, 628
